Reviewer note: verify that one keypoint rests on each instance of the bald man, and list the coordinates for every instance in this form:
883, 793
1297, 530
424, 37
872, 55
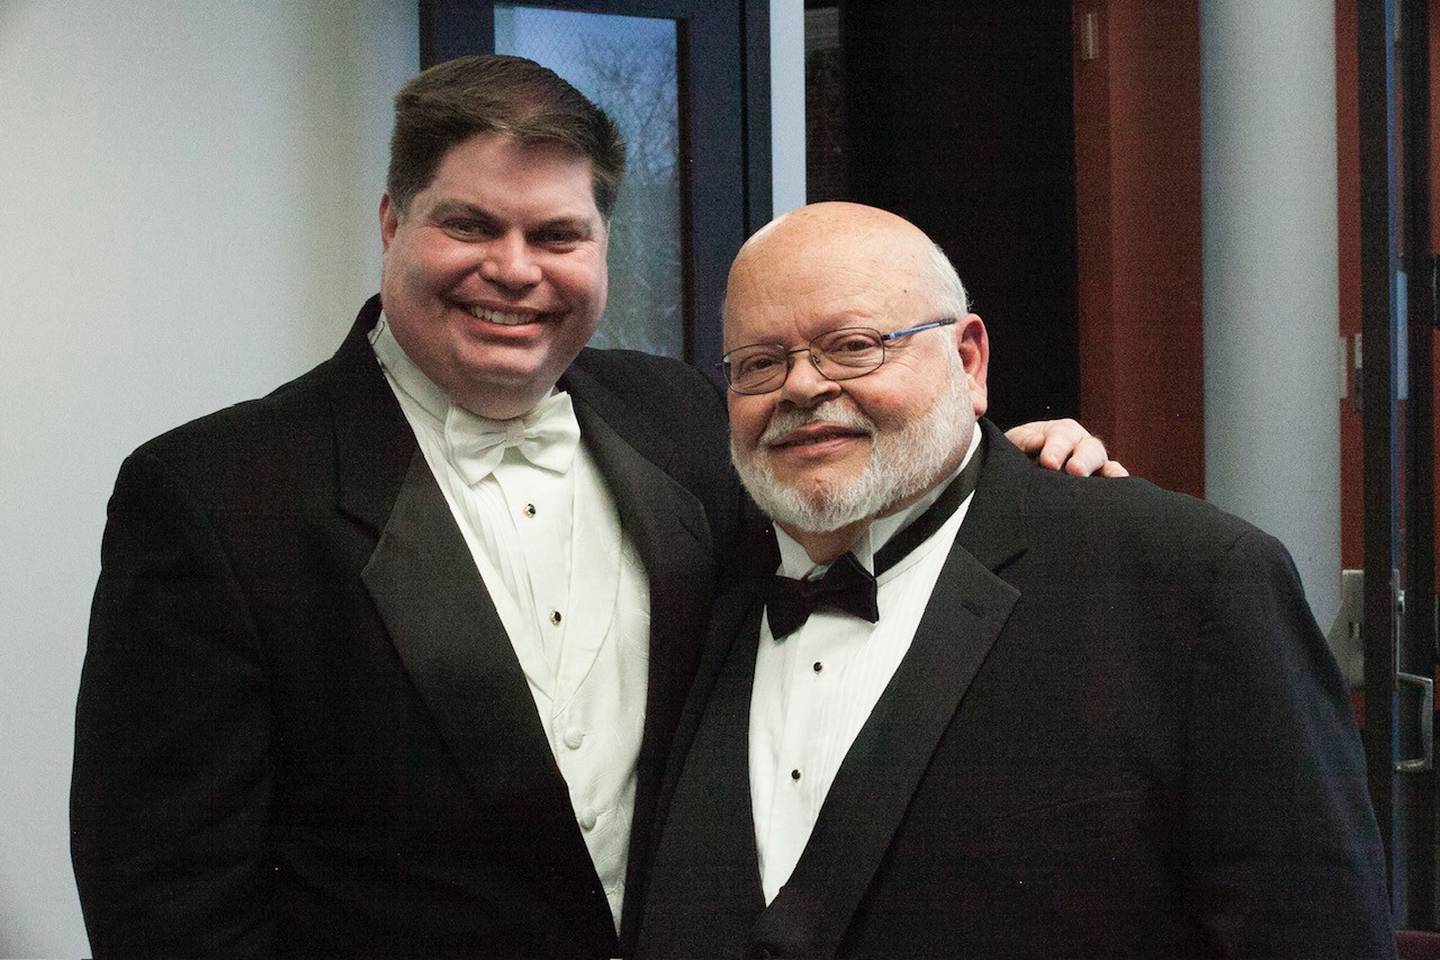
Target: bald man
956, 705
387, 662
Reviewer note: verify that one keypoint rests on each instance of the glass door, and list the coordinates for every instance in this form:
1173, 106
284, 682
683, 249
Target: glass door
1398, 329
687, 81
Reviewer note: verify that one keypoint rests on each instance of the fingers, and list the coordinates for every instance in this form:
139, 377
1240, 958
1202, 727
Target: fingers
1050, 442
1086, 456
1029, 437
1065, 444
1053, 443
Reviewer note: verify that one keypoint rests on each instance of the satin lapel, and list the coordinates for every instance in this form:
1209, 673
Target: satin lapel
723, 738
995, 530
429, 594
450, 639
706, 854
436, 611
373, 441
967, 610
425, 585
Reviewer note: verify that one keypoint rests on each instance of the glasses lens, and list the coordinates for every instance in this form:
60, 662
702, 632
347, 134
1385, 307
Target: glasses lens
756, 369
855, 349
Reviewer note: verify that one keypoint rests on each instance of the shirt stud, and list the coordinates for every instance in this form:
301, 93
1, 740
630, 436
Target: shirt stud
794, 774
529, 509
555, 617
817, 666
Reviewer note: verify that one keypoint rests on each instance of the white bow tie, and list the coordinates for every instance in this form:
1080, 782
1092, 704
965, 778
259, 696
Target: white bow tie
546, 436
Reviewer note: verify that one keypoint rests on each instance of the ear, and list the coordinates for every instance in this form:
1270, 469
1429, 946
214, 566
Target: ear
973, 345
389, 221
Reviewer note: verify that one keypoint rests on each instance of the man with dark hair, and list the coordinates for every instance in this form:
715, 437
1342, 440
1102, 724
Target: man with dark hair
958, 706
455, 100
387, 662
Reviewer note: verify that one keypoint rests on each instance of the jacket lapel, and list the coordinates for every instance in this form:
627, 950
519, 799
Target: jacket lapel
450, 639
425, 585
373, 441
707, 873
872, 790
440, 618
430, 596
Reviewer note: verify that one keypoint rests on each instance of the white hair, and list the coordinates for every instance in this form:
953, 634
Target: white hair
951, 290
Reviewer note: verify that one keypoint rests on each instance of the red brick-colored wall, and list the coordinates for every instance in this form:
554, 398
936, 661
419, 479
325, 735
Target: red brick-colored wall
1137, 120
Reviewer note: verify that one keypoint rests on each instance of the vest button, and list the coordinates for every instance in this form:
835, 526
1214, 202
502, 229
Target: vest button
574, 737
588, 817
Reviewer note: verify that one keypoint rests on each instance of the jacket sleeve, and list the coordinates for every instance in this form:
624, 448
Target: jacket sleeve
1282, 854
170, 793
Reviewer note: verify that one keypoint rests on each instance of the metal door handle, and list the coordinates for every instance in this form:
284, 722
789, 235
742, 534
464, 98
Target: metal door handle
1427, 723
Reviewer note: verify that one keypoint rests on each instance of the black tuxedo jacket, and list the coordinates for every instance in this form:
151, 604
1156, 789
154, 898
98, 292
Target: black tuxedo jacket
302, 729
1118, 733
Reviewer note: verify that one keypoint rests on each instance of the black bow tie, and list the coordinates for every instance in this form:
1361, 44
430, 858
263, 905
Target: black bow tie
846, 586
849, 587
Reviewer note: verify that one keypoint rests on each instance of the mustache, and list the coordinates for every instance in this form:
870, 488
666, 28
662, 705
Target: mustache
785, 422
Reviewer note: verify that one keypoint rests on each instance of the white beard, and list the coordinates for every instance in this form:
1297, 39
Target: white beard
902, 463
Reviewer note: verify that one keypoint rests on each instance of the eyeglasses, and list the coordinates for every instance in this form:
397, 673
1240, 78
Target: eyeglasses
842, 354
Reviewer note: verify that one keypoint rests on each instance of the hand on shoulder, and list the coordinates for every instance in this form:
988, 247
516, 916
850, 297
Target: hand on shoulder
1065, 445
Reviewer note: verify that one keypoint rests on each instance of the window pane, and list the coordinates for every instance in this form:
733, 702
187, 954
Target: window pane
627, 65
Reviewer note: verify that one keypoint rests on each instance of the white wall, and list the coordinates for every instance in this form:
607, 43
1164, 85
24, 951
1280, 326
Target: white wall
787, 104
187, 218
1271, 285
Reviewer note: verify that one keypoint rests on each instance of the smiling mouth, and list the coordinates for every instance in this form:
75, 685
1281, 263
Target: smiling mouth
504, 318
811, 436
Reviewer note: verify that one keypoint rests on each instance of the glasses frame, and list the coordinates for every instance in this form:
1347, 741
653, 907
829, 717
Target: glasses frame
885, 338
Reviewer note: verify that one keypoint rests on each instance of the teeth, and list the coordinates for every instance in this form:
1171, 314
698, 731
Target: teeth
504, 319
808, 439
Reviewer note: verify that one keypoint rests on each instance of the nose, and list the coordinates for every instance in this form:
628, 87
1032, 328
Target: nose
805, 385
508, 263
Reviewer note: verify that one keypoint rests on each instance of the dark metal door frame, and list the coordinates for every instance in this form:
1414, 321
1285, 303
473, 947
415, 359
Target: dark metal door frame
1398, 424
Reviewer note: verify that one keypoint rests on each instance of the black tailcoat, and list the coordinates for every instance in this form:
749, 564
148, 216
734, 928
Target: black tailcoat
302, 729
1118, 733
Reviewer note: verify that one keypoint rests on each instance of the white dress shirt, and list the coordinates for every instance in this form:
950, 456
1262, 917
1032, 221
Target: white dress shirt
572, 595
815, 689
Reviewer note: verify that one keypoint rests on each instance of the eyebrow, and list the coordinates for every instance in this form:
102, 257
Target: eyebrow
445, 209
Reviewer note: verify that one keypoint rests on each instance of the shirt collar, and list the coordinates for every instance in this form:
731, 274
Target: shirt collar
408, 378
